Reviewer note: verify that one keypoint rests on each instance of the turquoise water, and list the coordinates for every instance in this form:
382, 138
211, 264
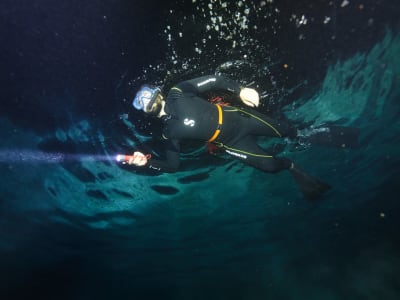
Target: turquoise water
217, 229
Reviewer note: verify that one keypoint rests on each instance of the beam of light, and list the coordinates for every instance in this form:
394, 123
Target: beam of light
28, 156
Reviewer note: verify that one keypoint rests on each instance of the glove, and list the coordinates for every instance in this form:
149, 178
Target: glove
138, 159
249, 97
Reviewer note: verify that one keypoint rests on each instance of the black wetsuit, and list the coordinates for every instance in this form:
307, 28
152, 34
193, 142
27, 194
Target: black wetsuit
191, 116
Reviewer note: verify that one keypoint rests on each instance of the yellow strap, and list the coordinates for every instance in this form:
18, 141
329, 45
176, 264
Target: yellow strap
216, 133
175, 88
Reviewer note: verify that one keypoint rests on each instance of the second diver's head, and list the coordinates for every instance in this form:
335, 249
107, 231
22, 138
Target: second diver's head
149, 99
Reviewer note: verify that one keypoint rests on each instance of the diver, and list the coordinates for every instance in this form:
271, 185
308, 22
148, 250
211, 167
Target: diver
186, 113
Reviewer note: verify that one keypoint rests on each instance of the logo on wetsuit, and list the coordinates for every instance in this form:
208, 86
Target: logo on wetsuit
206, 81
189, 122
236, 154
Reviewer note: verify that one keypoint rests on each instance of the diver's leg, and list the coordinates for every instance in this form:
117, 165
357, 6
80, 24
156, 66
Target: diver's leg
262, 125
250, 153
328, 135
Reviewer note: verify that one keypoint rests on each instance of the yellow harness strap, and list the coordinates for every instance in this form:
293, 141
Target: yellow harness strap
217, 132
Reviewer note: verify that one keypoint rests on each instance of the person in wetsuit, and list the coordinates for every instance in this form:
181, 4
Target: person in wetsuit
187, 114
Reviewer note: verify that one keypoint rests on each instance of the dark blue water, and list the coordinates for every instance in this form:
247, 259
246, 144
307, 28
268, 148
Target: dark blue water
75, 225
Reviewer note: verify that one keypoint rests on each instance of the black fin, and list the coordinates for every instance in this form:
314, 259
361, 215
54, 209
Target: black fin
331, 136
311, 187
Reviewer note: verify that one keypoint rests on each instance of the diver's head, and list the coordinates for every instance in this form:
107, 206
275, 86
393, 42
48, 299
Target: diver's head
149, 100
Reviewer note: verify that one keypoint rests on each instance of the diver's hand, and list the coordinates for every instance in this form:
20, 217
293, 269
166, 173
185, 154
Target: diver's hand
138, 159
249, 97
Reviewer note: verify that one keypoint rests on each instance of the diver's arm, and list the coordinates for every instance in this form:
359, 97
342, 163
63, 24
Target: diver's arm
204, 84
209, 83
171, 163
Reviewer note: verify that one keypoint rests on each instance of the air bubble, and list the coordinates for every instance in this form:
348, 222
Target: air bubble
345, 3
327, 20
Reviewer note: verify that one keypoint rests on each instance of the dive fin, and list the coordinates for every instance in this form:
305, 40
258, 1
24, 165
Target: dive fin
331, 136
311, 187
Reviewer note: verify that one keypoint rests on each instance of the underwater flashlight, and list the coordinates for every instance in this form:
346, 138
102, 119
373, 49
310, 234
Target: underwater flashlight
124, 159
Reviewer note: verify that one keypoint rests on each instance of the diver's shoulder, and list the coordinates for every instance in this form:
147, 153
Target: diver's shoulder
174, 93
